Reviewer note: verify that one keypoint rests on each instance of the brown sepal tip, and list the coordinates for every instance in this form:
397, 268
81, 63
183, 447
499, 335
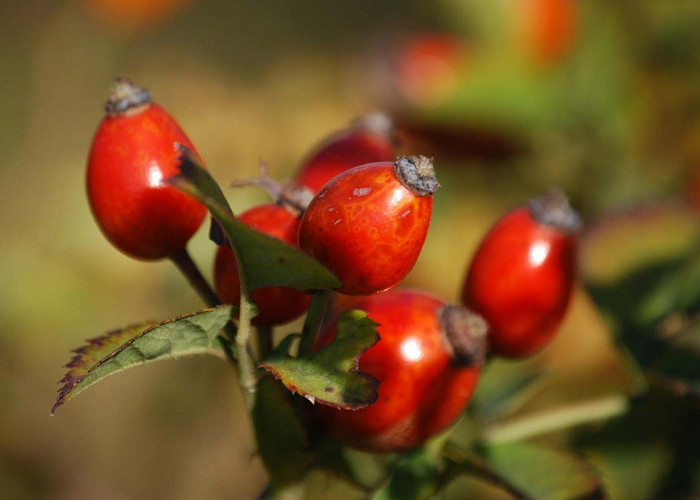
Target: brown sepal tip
293, 197
417, 174
126, 97
553, 209
465, 334
376, 122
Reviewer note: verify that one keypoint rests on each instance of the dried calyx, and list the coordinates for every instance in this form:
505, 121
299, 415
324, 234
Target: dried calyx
465, 334
417, 174
553, 209
293, 197
126, 98
376, 122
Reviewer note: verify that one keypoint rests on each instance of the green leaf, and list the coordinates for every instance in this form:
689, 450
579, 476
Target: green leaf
330, 375
624, 242
632, 470
262, 260
282, 440
414, 477
643, 449
504, 386
678, 290
461, 464
543, 473
195, 333
637, 277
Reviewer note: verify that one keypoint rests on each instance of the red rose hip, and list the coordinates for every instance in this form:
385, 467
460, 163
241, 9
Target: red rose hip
368, 224
276, 304
132, 153
427, 360
523, 273
369, 139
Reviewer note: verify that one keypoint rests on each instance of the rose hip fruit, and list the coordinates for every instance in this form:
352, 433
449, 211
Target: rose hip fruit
368, 224
523, 273
369, 139
132, 153
427, 360
276, 304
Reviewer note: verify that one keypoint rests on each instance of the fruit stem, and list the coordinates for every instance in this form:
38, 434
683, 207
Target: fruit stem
317, 310
247, 369
183, 261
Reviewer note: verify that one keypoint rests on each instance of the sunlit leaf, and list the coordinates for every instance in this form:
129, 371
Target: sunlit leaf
330, 375
637, 278
263, 260
195, 333
503, 387
543, 473
677, 290
623, 242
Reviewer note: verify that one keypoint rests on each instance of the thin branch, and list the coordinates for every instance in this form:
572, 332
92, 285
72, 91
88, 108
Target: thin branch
183, 261
247, 369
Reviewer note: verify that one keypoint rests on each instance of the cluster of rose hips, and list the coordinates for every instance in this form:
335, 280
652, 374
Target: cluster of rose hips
366, 222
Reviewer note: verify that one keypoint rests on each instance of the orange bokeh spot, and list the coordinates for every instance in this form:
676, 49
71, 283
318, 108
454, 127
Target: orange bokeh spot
131, 14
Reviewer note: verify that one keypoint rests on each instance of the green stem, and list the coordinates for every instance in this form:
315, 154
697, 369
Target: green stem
183, 261
557, 419
247, 369
317, 310
264, 341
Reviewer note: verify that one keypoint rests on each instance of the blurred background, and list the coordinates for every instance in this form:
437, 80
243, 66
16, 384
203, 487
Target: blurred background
511, 97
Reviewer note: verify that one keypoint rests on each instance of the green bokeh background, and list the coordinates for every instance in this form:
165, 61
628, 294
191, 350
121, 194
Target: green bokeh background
268, 79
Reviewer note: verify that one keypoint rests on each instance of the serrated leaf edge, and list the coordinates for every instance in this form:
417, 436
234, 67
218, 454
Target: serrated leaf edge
355, 370
69, 383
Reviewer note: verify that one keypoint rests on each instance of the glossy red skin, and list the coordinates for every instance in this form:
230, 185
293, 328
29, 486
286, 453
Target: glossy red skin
130, 157
522, 293
342, 152
421, 391
366, 227
276, 304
